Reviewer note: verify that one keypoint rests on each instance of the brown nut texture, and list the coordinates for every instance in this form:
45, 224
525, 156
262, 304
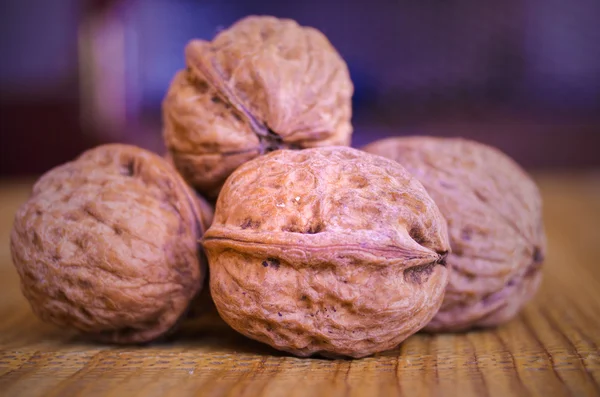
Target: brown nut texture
494, 214
108, 244
329, 251
207, 210
262, 84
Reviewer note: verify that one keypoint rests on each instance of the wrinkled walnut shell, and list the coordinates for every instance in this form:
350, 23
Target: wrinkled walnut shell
108, 244
326, 250
263, 84
494, 214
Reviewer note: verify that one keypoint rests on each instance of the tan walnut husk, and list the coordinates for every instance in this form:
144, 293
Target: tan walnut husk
494, 214
108, 244
262, 84
329, 251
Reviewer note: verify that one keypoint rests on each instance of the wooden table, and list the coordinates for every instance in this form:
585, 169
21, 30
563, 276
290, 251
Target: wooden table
551, 349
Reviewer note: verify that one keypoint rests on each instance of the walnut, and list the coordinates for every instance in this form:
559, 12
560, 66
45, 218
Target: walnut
329, 251
263, 84
494, 214
108, 244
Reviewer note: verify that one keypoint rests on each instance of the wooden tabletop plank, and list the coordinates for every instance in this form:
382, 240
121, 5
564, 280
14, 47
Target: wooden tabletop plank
550, 349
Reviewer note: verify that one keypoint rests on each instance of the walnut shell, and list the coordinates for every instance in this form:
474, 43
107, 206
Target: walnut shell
326, 250
263, 84
494, 214
108, 244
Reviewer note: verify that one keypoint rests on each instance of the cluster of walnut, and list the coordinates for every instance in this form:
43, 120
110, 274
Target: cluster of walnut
313, 247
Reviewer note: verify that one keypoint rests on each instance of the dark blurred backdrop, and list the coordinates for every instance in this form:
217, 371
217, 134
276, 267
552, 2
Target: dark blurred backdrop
523, 75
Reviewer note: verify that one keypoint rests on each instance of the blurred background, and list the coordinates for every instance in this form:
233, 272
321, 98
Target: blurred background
523, 75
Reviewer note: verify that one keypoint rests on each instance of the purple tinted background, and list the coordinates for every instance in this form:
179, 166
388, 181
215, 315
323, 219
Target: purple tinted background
523, 75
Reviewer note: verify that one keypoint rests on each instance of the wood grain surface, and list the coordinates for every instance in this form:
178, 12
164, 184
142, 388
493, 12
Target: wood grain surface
550, 349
